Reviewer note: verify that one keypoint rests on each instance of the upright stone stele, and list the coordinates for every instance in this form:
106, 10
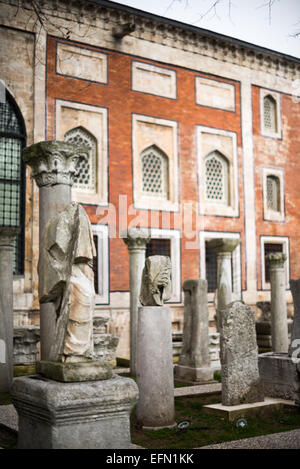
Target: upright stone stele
136, 239
223, 248
155, 407
295, 336
239, 356
74, 402
7, 237
279, 326
194, 360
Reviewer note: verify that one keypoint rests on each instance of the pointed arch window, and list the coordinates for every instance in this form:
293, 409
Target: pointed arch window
12, 175
85, 180
216, 178
155, 180
273, 193
270, 117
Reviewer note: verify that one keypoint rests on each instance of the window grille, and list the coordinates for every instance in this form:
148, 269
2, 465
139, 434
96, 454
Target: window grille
158, 247
12, 175
270, 247
216, 178
85, 179
270, 113
154, 173
273, 193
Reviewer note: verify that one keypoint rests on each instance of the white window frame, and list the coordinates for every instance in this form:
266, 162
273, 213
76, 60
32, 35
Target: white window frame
212, 208
102, 233
273, 215
100, 197
142, 201
175, 237
284, 240
236, 261
265, 131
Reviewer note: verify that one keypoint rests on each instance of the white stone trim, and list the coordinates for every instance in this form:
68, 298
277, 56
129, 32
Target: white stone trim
284, 240
175, 237
66, 63
216, 102
276, 96
142, 201
236, 260
273, 215
100, 197
211, 208
158, 88
101, 231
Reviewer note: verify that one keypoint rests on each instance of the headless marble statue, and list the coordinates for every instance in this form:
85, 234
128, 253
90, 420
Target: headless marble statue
66, 279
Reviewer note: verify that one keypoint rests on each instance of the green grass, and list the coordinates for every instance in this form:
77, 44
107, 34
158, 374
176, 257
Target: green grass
206, 429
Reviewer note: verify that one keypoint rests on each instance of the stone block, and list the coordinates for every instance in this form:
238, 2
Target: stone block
278, 375
89, 415
74, 372
26, 339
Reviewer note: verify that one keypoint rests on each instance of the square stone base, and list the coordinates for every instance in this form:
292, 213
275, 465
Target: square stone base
193, 375
75, 372
278, 375
231, 413
88, 415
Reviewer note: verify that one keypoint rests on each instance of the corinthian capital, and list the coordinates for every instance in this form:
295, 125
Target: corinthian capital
276, 260
136, 238
54, 162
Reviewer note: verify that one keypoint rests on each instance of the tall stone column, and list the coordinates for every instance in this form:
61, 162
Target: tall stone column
194, 360
223, 247
7, 236
53, 166
279, 327
136, 240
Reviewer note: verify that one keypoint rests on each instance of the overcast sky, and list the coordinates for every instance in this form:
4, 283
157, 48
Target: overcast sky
249, 20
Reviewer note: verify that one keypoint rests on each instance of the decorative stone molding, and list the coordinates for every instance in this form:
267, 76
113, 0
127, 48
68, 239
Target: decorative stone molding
223, 245
54, 162
276, 260
136, 238
7, 236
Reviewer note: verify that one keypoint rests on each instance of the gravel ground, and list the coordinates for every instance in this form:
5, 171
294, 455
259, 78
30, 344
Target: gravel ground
9, 416
284, 440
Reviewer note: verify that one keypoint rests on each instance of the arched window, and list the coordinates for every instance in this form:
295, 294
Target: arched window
270, 117
155, 180
12, 175
86, 177
273, 193
216, 178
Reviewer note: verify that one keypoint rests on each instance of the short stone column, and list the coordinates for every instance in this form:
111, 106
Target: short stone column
136, 240
279, 326
223, 247
53, 166
7, 237
194, 361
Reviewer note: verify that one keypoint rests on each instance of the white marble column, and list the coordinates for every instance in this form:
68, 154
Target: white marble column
7, 237
223, 247
279, 327
136, 240
53, 168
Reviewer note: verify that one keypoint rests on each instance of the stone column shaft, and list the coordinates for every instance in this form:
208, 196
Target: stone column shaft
136, 240
279, 327
7, 236
53, 168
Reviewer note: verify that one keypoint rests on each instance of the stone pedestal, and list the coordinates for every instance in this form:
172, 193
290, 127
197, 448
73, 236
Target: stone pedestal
53, 168
279, 327
223, 248
155, 408
7, 237
194, 361
136, 240
295, 335
278, 375
89, 415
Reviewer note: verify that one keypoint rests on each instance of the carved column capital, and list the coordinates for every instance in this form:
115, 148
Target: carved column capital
136, 238
54, 162
276, 260
223, 246
7, 236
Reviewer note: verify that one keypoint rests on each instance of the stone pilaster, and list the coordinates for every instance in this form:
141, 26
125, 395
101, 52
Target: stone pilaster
279, 327
136, 240
223, 247
7, 237
54, 165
